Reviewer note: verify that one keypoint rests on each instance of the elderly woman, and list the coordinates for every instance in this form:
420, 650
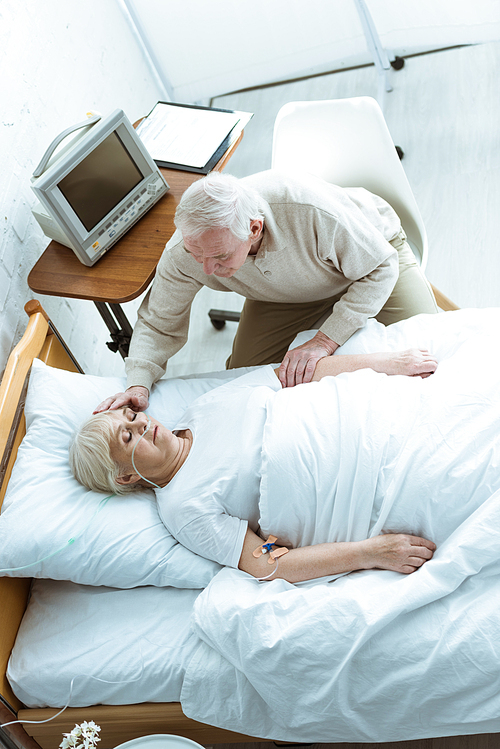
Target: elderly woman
348, 472
207, 472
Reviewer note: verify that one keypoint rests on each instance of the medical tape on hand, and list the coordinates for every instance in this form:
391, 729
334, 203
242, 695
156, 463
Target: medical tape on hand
274, 554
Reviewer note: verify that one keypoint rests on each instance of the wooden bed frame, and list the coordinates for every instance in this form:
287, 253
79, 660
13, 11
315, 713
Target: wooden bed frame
121, 722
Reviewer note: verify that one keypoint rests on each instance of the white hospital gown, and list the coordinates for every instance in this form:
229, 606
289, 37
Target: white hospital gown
214, 497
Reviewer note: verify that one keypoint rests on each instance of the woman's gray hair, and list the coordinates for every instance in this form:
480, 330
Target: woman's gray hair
90, 456
218, 200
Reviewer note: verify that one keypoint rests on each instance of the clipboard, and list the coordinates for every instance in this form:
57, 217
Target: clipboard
190, 137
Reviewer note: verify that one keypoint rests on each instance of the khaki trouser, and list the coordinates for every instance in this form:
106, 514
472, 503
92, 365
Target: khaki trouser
266, 329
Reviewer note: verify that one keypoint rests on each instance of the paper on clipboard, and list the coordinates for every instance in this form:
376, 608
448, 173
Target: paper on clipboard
184, 134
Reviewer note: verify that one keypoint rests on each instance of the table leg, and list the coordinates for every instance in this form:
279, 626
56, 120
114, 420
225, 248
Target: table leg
118, 326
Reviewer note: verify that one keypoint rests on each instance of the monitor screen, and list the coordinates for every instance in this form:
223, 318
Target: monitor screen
96, 185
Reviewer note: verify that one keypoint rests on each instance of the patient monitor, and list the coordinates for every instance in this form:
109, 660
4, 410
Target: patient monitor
94, 182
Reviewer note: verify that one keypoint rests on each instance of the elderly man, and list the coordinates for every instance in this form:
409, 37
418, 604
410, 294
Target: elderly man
300, 250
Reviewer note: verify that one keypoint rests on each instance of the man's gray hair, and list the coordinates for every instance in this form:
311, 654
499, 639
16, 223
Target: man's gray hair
90, 456
218, 200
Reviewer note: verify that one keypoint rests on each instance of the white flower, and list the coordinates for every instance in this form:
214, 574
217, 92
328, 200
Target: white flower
83, 736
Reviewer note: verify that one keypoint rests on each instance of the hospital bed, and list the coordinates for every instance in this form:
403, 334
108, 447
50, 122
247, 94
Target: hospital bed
97, 603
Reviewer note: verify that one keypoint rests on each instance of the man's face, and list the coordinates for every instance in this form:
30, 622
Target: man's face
220, 252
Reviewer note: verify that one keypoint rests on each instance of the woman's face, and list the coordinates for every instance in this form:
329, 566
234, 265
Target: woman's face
154, 453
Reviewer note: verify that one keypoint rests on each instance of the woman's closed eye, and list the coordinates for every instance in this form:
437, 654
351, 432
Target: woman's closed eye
131, 417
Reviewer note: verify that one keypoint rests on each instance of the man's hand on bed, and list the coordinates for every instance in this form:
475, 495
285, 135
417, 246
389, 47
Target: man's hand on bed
398, 552
299, 364
136, 397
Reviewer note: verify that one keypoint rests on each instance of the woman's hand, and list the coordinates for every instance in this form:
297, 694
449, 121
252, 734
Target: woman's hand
413, 362
136, 397
397, 551
299, 363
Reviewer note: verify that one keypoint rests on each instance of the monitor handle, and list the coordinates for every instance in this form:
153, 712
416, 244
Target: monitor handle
92, 118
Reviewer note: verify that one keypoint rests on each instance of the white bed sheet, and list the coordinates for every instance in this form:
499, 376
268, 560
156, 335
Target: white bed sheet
373, 657
85, 645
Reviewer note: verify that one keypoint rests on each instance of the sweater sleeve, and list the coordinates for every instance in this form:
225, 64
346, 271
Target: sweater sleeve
366, 259
363, 299
163, 320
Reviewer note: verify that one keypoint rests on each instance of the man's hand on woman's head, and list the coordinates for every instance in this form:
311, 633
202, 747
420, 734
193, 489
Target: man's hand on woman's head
135, 397
299, 363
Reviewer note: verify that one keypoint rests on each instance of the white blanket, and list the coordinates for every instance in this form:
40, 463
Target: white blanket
362, 453
373, 656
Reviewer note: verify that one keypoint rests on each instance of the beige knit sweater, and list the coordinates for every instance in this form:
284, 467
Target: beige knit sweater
319, 241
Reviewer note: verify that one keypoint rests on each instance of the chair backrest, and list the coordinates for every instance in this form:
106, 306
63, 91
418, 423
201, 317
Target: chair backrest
347, 142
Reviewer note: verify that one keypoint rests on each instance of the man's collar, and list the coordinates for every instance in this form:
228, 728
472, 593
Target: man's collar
273, 238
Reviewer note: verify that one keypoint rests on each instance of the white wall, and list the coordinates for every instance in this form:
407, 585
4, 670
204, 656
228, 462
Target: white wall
206, 49
58, 58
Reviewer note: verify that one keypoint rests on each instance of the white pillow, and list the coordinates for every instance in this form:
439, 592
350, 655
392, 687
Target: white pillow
122, 543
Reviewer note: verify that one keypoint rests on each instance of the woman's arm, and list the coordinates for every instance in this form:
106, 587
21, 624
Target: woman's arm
391, 551
413, 363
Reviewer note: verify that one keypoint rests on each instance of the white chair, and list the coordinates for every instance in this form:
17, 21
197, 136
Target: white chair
347, 142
